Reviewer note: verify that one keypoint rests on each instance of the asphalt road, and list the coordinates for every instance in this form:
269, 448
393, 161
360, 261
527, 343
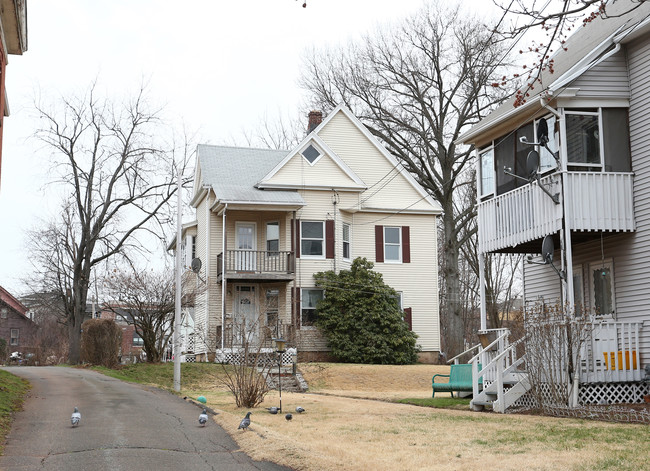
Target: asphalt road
123, 427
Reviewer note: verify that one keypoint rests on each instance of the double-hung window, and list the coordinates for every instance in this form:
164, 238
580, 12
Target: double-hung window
312, 239
272, 238
137, 340
393, 244
602, 288
308, 301
15, 334
346, 241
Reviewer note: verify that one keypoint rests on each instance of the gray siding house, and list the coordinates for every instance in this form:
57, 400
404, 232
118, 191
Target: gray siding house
588, 190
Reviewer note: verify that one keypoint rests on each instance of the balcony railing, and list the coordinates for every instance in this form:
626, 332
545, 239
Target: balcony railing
257, 262
595, 202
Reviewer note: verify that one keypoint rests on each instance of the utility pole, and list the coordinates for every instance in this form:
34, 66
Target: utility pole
177, 313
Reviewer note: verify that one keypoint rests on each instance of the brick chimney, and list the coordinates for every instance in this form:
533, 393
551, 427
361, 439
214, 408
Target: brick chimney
315, 118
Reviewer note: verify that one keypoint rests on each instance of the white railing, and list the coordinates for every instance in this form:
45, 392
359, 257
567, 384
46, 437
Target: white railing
486, 358
611, 353
519, 216
600, 201
596, 201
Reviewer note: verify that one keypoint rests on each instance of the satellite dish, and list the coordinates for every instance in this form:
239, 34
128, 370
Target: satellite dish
548, 247
196, 264
532, 163
542, 131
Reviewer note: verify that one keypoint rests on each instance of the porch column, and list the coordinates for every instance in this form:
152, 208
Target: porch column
223, 276
481, 270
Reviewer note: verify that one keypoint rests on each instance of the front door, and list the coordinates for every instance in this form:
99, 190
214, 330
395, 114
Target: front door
245, 242
246, 317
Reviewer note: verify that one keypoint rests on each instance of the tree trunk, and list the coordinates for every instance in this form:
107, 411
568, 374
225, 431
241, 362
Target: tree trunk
452, 307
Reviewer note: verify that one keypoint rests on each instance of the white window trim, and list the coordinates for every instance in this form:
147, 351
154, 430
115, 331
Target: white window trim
313, 144
483, 194
302, 290
349, 241
399, 231
601, 144
607, 263
551, 138
307, 256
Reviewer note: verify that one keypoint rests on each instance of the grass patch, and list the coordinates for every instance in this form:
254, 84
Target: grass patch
193, 375
12, 393
437, 402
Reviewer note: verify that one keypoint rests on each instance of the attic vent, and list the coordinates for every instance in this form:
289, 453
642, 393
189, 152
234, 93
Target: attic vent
311, 154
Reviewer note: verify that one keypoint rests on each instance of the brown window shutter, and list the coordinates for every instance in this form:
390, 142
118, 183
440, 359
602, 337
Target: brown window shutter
295, 237
329, 239
408, 317
406, 244
379, 244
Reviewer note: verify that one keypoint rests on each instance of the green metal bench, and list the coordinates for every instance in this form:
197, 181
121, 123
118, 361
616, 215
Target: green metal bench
460, 379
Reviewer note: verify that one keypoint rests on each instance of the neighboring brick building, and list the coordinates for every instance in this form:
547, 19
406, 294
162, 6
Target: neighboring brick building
15, 327
131, 342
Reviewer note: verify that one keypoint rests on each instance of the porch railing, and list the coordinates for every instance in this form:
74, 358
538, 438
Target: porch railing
257, 261
260, 337
611, 353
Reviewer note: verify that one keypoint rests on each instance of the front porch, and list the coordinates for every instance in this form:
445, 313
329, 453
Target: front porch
609, 366
256, 265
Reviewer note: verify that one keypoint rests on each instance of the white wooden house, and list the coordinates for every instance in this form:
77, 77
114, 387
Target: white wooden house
588, 192
267, 220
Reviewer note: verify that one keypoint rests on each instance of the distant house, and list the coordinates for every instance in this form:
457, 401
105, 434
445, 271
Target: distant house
13, 40
567, 175
267, 220
18, 330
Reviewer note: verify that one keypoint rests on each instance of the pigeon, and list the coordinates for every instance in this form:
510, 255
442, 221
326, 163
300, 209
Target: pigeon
288, 416
76, 417
203, 417
245, 422
273, 410
300, 410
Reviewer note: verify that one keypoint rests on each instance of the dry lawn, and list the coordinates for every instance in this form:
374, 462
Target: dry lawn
341, 431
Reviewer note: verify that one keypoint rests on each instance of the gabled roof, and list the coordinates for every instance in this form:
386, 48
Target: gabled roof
7, 298
313, 137
233, 172
584, 49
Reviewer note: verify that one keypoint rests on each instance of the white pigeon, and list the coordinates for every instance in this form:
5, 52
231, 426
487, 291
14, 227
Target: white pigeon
245, 422
76, 417
203, 417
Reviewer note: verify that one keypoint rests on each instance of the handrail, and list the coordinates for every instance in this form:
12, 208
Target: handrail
461, 354
494, 342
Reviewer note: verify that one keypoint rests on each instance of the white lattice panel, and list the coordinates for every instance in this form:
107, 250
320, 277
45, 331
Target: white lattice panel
612, 393
267, 357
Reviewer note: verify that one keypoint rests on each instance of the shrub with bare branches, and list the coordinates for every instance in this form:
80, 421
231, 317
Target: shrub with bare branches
100, 342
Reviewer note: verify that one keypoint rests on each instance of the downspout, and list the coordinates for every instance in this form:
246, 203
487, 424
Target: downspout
223, 276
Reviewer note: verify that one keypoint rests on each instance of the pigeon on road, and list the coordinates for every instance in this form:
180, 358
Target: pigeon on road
203, 417
76, 417
300, 410
288, 416
245, 422
272, 410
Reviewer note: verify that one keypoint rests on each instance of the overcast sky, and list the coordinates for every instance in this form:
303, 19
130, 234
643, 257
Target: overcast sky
219, 66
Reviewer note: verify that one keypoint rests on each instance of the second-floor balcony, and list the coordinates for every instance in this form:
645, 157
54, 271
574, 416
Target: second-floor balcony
595, 201
256, 265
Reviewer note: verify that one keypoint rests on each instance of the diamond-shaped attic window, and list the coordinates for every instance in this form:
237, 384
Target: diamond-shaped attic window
311, 154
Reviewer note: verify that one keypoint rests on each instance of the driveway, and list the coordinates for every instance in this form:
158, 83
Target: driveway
123, 427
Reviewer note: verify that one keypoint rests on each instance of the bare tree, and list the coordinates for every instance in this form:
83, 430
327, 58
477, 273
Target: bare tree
115, 179
145, 299
416, 87
556, 20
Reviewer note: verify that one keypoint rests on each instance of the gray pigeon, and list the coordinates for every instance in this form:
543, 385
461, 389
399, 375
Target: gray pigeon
76, 417
203, 417
288, 416
272, 410
300, 410
245, 422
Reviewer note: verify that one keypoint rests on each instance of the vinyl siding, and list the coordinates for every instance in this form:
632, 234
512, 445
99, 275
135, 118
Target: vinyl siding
200, 306
387, 188
324, 172
607, 79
